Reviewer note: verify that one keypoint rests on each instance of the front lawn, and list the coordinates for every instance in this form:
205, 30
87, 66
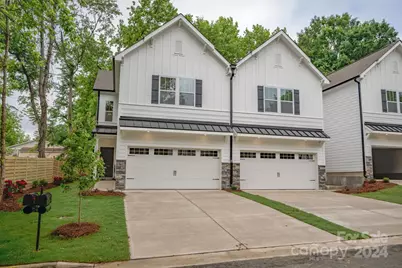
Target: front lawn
305, 217
393, 195
18, 232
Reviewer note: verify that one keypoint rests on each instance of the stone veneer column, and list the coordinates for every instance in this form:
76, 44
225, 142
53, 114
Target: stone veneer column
322, 178
226, 175
120, 174
369, 167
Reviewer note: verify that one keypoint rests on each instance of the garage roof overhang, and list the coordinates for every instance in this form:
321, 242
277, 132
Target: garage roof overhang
280, 132
174, 126
382, 128
107, 130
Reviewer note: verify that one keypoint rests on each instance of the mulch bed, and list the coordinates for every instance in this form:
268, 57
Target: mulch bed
97, 192
368, 188
73, 230
12, 204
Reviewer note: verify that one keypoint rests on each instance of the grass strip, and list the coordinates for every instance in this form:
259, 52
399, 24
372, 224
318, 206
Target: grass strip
392, 195
305, 217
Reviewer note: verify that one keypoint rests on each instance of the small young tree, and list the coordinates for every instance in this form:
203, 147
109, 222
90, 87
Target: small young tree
81, 163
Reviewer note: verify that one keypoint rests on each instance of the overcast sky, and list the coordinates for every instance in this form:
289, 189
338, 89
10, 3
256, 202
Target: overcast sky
292, 14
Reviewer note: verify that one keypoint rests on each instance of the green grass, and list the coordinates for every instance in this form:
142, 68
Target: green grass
393, 195
18, 232
305, 217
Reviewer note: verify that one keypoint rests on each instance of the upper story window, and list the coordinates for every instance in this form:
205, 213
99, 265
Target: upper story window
284, 104
187, 91
287, 101
167, 90
109, 111
392, 102
271, 99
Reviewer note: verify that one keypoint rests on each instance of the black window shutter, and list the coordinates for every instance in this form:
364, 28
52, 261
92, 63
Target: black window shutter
155, 89
384, 100
260, 90
198, 93
297, 101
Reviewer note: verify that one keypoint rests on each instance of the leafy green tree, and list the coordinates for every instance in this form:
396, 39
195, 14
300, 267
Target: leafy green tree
13, 128
254, 38
145, 16
338, 40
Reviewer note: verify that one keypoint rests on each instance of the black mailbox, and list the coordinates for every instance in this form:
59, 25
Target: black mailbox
44, 200
29, 199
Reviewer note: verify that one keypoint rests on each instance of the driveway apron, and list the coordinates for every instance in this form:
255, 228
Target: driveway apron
169, 223
360, 214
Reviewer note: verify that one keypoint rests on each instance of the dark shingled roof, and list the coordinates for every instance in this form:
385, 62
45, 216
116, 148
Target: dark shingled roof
358, 67
384, 127
281, 131
108, 130
104, 81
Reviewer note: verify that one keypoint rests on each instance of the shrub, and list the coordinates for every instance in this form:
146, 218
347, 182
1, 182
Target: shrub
57, 180
385, 180
68, 180
9, 189
20, 185
372, 181
35, 183
43, 183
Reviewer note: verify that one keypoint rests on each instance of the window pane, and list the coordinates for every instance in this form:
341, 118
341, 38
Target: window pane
167, 97
391, 95
392, 107
287, 94
186, 85
168, 84
109, 116
187, 99
271, 106
271, 93
400, 97
286, 107
109, 106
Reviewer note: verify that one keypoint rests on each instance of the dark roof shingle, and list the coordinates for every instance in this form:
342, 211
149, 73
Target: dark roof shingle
104, 81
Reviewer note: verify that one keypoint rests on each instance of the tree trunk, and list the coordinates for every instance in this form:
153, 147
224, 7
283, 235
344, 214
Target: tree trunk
70, 107
79, 207
4, 108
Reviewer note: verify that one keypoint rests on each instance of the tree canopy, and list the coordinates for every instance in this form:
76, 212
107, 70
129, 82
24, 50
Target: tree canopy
15, 133
335, 41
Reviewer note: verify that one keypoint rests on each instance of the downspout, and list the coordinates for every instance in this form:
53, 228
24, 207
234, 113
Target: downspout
361, 126
232, 70
114, 75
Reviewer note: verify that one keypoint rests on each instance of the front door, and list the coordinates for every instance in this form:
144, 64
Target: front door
107, 155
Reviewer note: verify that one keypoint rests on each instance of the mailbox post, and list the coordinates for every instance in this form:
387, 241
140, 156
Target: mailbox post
37, 203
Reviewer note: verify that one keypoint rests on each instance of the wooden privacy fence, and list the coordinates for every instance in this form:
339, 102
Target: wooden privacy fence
30, 169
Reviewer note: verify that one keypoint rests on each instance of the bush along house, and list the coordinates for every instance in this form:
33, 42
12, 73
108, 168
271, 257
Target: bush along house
362, 112
175, 114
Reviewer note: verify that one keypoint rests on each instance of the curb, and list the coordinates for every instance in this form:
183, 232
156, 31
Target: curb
225, 256
59, 264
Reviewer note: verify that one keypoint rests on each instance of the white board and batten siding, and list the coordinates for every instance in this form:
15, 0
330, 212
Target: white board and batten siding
277, 65
342, 124
382, 76
160, 59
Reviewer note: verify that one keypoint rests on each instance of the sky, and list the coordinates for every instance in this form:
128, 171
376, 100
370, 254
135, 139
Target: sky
292, 14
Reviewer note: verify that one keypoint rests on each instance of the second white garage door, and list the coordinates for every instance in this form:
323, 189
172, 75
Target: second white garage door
161, 168
266, 170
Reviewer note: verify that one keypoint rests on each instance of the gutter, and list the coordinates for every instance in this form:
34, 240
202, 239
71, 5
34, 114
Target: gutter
232, 69
361, 126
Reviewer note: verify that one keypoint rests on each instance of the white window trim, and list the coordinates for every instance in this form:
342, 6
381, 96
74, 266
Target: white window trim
397, 101
177, 90
278, 100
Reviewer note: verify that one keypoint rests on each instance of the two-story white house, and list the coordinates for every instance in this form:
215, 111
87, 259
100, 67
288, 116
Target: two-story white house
175, 114
363, 116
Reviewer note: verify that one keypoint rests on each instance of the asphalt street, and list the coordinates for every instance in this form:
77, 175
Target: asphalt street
391, 257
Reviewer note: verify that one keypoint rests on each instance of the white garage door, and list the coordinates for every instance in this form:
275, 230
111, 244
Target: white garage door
266, 170
161, 168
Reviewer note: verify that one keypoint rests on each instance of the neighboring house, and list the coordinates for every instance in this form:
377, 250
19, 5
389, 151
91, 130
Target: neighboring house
30, 149
362, 112
174, 114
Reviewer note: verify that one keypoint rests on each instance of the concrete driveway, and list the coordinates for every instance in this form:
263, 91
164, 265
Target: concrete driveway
167, 223
357, 213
